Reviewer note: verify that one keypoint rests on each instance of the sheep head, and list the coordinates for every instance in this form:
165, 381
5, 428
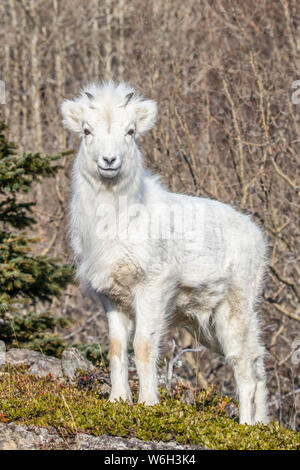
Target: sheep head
109, 118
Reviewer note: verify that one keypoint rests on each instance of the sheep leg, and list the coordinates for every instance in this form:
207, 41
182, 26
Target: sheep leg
152, 305
237, 333
119, 331
246, 386
261, 409
146, 353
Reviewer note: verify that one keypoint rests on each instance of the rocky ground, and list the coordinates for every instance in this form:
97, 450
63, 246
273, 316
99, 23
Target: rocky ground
14, 437
41, 365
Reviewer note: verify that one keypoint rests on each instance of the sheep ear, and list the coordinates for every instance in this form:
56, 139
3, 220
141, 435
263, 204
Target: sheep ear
145, 115
72, 115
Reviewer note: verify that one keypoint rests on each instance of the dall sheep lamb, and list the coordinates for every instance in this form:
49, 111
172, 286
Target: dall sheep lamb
156, 259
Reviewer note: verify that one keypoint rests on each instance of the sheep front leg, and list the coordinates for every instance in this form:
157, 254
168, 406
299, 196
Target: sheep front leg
119, 331
151, 313
146, 354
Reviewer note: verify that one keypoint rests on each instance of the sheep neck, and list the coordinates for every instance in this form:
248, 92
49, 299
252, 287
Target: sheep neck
109, 192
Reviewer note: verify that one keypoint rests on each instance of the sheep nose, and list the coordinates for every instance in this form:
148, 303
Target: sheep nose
109, 160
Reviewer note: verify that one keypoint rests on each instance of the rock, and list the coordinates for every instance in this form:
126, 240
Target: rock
2, 353
13, 437
105, 442
39, 364
42, 365
46, 365
188, 397
72, 360
25, 357
103, 390
232, 411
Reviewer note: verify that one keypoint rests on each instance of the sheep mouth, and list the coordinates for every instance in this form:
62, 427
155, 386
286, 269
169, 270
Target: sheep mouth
108, 172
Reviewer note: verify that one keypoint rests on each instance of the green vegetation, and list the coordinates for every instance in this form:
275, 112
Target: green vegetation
94, 352
47, 402
26, 278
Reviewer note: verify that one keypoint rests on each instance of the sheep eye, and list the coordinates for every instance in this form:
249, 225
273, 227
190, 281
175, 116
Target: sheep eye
86, 131
130, 132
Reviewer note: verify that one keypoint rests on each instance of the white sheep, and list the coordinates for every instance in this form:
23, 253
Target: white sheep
157, 259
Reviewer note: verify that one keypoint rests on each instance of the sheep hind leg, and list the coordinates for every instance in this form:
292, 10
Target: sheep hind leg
261, 409
238, 336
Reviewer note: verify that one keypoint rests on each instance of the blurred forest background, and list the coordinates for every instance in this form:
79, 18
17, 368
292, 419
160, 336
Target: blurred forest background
222, 74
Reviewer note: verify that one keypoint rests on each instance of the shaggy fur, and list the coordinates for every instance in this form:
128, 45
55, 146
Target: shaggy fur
156, 259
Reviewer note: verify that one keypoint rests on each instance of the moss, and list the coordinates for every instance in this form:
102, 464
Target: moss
46, 402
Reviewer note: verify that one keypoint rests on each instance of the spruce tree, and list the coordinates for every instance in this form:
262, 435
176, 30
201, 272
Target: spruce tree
26, 278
